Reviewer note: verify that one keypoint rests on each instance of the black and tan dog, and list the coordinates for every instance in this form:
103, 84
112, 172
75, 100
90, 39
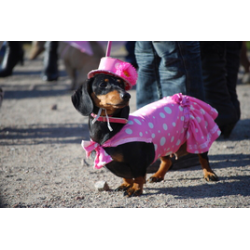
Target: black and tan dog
130, 160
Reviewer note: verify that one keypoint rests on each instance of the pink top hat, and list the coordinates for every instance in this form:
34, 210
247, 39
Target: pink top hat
118, 68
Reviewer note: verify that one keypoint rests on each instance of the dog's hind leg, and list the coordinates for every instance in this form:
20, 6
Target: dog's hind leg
208, 173
165, 165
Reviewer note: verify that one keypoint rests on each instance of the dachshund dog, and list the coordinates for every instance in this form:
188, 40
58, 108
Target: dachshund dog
103, 98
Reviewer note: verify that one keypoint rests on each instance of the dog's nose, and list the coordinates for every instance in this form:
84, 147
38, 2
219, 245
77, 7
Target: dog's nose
125, 96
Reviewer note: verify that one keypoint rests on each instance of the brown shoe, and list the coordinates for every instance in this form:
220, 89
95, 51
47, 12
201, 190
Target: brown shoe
36, 49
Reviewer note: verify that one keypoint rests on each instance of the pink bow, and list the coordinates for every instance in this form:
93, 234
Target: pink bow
184, 102
101, 158
181, 99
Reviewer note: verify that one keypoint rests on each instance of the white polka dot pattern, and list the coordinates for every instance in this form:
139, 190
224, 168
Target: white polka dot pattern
171, 124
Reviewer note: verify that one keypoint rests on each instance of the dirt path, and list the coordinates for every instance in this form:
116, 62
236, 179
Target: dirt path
43, 165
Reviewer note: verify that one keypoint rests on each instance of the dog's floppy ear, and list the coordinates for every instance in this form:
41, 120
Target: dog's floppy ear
82, 100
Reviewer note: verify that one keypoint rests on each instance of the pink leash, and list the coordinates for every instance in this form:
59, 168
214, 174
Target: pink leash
107, 118
108, 49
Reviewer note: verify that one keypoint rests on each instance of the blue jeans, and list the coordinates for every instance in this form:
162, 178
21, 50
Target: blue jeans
167, 68
130, 47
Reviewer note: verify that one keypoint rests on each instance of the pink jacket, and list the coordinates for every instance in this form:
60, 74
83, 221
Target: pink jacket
167, 123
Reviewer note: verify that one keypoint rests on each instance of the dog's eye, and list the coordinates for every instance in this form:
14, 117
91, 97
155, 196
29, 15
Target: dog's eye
120, 83
103, 84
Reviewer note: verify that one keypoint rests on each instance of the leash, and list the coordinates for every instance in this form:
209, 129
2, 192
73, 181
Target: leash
98, 116
108, 49
106, 118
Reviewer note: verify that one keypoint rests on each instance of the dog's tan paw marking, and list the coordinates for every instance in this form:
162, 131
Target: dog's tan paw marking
211, 177
153, 179
132, 192
122, 187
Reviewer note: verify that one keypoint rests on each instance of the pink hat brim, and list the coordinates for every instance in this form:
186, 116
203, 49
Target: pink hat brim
96, 72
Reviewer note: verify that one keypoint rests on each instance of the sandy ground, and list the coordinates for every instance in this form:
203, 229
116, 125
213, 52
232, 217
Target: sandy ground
43, 165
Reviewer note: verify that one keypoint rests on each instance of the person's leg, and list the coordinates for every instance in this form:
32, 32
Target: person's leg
180, 68
1, 96
50, 70
36, 49
190, 54
216, 91
244, 61
14, 53
171, 71
233, 50
2, 52
130, 57
232, 68
146, 87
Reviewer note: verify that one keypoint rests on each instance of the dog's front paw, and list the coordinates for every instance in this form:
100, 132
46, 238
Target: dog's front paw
132, 192
211, 177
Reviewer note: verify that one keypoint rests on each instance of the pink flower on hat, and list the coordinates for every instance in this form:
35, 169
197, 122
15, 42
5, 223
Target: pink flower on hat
116, 67
128, 72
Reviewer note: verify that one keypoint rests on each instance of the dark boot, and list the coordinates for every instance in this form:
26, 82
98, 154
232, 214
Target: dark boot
13, 55
50, 71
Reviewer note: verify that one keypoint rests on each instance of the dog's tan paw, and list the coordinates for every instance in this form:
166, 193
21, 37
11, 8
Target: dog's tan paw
211, 177
123, 187
132, 192
153, 179
127, 183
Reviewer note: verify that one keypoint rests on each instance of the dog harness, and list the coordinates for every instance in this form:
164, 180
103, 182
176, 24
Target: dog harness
167, 123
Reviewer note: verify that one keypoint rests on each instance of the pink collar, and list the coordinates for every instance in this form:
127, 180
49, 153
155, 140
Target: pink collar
107, 119
110, 119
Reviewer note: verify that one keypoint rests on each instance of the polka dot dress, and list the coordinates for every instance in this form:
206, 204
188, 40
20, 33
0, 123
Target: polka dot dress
167, 123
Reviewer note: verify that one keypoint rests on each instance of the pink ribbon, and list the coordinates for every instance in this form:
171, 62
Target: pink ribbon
185, 103
182, 100
101, 158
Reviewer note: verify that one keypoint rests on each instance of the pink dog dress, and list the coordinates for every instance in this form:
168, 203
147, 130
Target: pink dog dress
167, 123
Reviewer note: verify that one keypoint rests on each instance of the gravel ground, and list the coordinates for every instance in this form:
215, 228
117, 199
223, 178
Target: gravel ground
43, 165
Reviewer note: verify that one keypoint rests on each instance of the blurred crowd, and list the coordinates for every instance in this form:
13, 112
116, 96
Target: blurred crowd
205, 70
